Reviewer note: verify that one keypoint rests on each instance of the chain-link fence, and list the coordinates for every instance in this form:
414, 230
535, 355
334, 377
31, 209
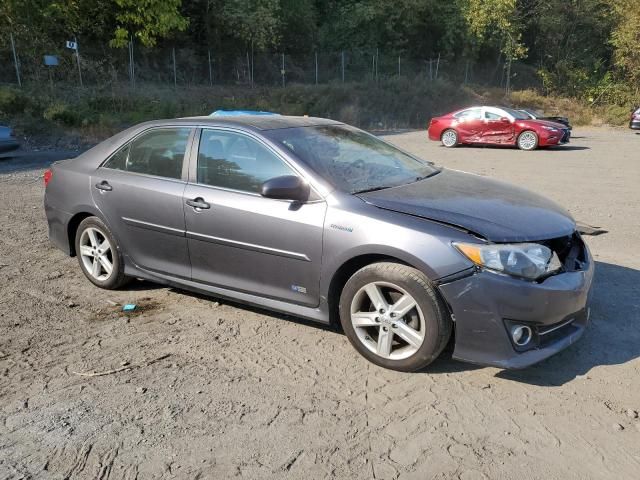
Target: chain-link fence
135, 66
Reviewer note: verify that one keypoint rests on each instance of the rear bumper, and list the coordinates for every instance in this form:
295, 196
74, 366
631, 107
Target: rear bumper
634, 124
556, 310
8, 145
58, 222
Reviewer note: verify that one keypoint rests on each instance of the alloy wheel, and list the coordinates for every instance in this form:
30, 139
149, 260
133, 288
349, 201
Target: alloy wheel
96, 253
387, 320
527, 141
449, 138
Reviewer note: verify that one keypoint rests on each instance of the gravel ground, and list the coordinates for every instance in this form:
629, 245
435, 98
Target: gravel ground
199, 388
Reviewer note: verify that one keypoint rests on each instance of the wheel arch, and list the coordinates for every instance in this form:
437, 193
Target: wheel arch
345, 271
74, 223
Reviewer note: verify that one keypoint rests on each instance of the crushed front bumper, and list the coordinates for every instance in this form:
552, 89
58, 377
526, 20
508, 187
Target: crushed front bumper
485, 303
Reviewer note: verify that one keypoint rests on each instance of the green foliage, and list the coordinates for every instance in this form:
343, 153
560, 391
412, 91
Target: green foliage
62, 114
253, 21
147, 20
12, 102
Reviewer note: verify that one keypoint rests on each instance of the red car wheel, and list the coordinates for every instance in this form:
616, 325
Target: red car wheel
449, 138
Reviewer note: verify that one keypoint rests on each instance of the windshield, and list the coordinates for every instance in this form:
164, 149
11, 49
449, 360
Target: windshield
350, 159
517, 114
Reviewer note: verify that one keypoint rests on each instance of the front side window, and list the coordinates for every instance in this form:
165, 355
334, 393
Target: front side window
492, 116
236, 161
159, 152
350, 159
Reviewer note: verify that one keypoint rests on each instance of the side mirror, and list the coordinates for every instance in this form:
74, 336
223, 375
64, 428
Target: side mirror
505, 120
287, 187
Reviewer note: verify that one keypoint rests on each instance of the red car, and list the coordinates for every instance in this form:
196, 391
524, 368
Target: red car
496, 126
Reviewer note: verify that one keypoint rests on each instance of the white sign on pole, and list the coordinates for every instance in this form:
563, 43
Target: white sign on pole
72, 45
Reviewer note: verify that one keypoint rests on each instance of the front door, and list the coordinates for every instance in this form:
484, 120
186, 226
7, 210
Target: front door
241, 240
139, 190
497, 128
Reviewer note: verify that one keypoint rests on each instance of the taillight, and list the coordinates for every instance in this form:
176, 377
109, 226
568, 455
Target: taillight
48, 175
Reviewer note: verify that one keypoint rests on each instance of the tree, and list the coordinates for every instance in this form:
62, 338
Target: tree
255, 22
146, 20
626, 40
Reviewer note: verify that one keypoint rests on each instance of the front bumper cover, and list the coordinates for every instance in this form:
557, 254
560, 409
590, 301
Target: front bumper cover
484, 302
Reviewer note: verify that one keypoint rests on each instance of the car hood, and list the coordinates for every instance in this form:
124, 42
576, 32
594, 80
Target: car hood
541, 122
497, 211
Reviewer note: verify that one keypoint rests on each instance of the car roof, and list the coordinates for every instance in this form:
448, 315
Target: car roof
255, 122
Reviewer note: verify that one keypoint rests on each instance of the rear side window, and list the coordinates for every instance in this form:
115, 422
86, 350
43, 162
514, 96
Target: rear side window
236, 161
469, 114
159, 152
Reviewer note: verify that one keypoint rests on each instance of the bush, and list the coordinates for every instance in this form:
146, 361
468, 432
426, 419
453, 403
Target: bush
62, 114
12, 101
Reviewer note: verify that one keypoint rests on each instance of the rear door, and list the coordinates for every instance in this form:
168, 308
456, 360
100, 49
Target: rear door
241, 240
139, 191
470, 125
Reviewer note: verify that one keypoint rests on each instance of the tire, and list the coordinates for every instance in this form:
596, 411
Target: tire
449, 138
91, 235
425, 322
528, 140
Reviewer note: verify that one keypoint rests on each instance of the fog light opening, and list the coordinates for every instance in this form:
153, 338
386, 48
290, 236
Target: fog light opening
521, 335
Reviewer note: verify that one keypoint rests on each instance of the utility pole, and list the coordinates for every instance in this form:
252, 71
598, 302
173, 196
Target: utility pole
15, 60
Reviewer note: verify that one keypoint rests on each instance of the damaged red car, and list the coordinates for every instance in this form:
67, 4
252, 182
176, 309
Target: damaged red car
496, 126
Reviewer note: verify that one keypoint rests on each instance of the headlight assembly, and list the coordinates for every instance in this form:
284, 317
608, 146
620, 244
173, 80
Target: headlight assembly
551, 129
526, 260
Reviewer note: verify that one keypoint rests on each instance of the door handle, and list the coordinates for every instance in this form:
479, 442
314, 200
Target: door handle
198, 204
104, 186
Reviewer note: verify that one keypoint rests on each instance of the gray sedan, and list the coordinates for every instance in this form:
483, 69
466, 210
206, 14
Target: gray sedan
321, 220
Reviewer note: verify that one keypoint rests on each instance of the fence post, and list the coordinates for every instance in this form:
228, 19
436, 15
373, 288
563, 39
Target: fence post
132, 68
343, 66
316, 68
398, 66
377, 62
210, 69
15, 60
437, 66
283, 72
175, 75
75, 40
466, 72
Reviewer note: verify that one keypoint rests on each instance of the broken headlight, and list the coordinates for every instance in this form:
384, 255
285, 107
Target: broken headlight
526, 260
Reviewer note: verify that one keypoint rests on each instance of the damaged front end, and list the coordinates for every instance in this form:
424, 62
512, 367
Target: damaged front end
513, 322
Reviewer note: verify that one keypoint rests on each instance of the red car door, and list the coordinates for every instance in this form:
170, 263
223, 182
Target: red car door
496, 129
470, 125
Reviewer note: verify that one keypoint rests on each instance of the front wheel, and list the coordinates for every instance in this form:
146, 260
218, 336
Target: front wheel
393, 316
528, 140
98, 254
449, 138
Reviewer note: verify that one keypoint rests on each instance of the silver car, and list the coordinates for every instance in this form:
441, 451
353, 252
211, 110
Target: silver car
321, 220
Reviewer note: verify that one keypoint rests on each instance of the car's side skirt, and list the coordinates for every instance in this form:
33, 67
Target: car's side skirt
317, 314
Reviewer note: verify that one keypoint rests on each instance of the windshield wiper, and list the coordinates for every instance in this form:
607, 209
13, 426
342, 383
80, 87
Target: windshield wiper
372, 189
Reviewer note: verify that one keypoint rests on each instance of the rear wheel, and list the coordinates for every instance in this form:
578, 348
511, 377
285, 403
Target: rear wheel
528, 140
449, 138
393, 316
98, 254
